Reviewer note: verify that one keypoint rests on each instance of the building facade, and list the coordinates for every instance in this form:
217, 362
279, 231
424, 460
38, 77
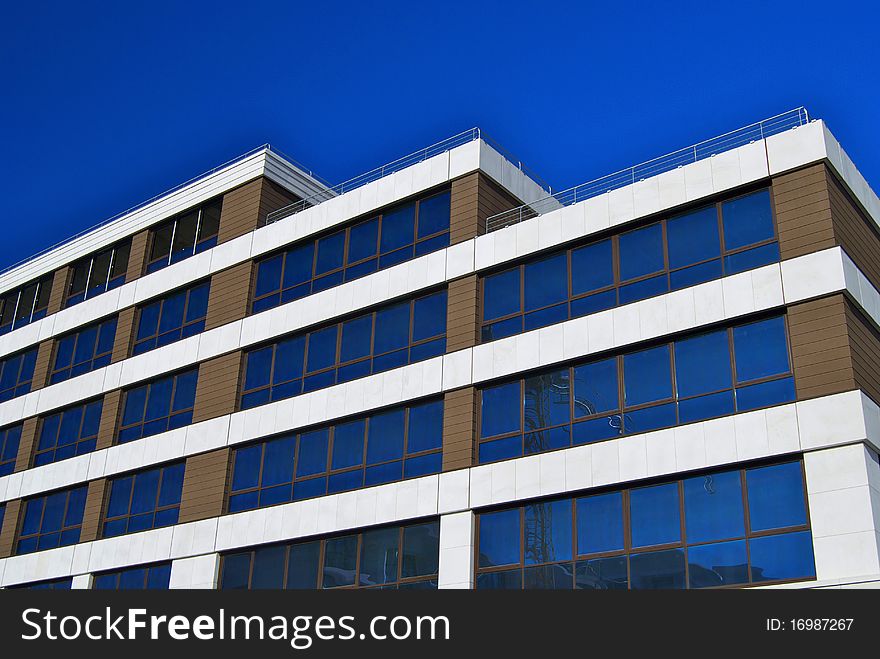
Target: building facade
441, 375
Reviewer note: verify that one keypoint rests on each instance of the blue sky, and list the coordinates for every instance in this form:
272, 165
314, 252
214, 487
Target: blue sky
107, 104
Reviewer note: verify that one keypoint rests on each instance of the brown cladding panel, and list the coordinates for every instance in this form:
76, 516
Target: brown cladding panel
124, 332
26, 443
854, 231
820, 351
109, 416
864, 340
42, 365
474, 198
230, 295
10, 527
217, 388
459, 426
204, 485
461, 314
137, 258
91, 524
59, 290
273, 197
803, 211
241, 208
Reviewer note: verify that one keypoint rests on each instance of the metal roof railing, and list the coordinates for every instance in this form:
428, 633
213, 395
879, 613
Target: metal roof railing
387, 169
668, 162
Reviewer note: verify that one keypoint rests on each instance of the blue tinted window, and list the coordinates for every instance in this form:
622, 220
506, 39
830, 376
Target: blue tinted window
719, 564
149, 577
547, 532
500, 409
348, 445
397, 228
786, 556
641, 252
693, 237
145, 500
98, 273
776, 496
159, 406
600, 523
655, 517
9, 440
425, 427
386, 436
655, 570
647, 376
16, 373
68, 433
434, 214
51, 521
592, 267
322, 349
602, 574
392, 328
330, 253
312, 452
340, 561
499, 538
595, 388
761, 349
429, 317
747, 220
172, 318
546, 400
546, 281
188, 234
702, 364
380, 555
714, 507
501, 294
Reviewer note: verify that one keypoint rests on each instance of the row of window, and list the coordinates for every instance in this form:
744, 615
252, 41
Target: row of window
25, 304
391, 557
723, 528
704, 244
148, 499
400, 443
143, 577
392, 336
696, 377
395, 235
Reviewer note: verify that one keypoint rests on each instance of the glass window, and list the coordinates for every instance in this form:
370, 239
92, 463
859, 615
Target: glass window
595, 388
546, 282
592, 267
52, 520
146, 577
354, 252
501, 294
98, 273
146, 500
718, 564
647, 376
702, 364
70, 432
655, 516
761, 349
16, 374
600, 523
84, 351
185, 235
172, 318
9, 441
776, 496
547, 532
500, 410
782, 557
714, 507
158, 406
25, 304
657, 570
54, 584
500, 538
380, 556
641, 252
747, 220
693, 238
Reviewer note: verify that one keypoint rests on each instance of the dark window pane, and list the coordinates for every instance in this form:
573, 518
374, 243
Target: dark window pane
398, 228
392, 328
312, 457
500, 411
504, 580
591, 267
298, 264
269, 568
776, 496
714, 507
348, 444
330, 253
302, 568
655, 518
545, 400
499, 538
657, 570
600, 523
722, 564
702, 364
356, 338
363, 240
379, 556
236, 571
278, 461
421, 550
602, 574
747, 220
268, 275
693, 237
386, 437
246, 473
434, 214
786, 556
501, 294
595, 388
288, 359
429, 316
547, 532
546, 281
641, 252
760, 349
548, 577
322, 349
425, 427
646, 376
340, 561
185, 236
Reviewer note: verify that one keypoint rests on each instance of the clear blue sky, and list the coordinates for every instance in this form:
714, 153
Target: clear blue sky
106, 104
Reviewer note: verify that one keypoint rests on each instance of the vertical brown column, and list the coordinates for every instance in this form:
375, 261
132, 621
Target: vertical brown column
204, 485
124, 332
94, 509
820, 349
230, 293
137, 257
459, 428
110, 411
59, 289
474, 198
217, 388
10, 527
42, 365
245, 208
803, 211
462, 315
27, 443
